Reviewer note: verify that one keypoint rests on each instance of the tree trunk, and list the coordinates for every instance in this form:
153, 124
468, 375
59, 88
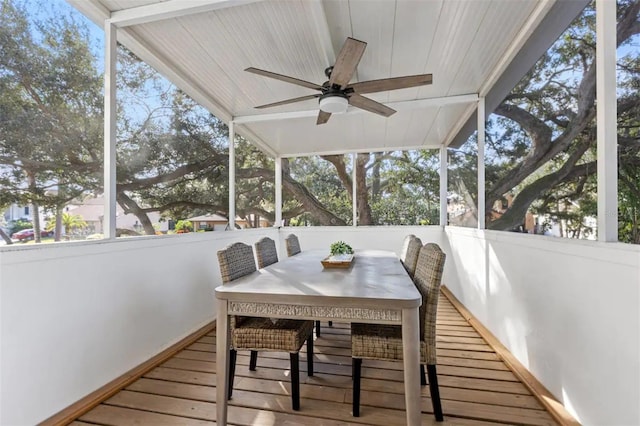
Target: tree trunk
309, 202
59, 210
362, 194
131, 206
341, 169
58, 228
5, 237
35, 213
544, 147
375, 177
515, 215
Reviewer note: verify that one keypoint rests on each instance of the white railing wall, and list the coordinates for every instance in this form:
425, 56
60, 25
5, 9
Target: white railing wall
75, 316
568, 310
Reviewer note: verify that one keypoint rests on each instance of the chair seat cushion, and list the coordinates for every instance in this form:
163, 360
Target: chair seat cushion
263, 334
379, 341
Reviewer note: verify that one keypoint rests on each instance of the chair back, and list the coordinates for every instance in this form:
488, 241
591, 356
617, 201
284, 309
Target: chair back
266, 252
405, 247
293, 245
411, 250
236, 261
428, 278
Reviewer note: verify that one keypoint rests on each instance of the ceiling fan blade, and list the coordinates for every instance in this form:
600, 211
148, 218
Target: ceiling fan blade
323, 117
347, 62
289, 101
284, 78
370, 105
394, 83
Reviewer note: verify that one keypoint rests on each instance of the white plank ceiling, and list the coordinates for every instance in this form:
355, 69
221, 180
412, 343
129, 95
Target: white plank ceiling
463, 43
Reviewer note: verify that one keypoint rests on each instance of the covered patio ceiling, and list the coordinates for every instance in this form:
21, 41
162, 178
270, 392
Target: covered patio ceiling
474, 49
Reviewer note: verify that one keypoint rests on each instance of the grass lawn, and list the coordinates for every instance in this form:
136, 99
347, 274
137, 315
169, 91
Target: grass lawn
44, 241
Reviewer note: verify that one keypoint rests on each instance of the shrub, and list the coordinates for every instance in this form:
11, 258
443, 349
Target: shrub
183, 226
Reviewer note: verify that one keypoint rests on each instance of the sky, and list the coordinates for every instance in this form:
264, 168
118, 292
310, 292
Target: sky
45, 9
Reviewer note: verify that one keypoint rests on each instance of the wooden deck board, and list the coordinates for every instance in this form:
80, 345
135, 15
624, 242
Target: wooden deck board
476, 387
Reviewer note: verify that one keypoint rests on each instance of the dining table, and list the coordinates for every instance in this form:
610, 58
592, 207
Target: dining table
374, 288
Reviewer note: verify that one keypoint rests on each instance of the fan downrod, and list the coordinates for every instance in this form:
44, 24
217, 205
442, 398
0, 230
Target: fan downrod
327, 71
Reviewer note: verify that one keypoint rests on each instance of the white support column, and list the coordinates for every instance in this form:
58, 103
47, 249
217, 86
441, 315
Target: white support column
109, 164
481, 183
607, 115
278, 188
444, 165
354, 189
232, 176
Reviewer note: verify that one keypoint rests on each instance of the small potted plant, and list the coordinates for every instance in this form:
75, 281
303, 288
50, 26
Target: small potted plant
341, 251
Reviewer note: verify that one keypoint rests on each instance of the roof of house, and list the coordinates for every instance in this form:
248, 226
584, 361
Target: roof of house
209, 218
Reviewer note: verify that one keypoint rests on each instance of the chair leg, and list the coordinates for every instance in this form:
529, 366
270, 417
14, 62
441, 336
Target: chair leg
423, 377
330, 323
435, 392
295, 381
318, 328
356, 366
253, 360
232, 370
310, 355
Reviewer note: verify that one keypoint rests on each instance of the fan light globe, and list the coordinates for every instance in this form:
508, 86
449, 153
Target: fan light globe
334, 104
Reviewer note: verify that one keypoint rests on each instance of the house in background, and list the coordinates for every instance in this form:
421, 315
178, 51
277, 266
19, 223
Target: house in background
92, 212
15, 212
251, 221
218, 222
214, 222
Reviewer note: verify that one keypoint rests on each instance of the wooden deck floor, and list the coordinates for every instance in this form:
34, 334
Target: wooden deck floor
476, 387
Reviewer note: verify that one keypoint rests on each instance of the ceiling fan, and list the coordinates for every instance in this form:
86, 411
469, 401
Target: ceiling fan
337, 94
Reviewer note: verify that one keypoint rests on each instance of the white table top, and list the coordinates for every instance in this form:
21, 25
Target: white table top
376, 279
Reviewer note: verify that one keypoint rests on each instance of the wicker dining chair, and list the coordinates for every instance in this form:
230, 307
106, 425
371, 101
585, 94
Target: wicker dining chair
263, 334
409, 255
293, 245
266, 252
293, 248
384, 342
405, 246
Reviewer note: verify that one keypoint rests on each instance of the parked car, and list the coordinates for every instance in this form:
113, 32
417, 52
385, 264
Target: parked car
27, 234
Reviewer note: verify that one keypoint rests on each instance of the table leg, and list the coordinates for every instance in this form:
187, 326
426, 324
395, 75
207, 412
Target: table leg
222, 363
411, 355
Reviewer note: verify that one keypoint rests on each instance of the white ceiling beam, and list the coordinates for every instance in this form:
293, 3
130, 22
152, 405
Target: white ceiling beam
322, 28
169, 10
455, 130
244, 119
361, 150
164, 66
99, 14
433, 102
557, 18
538, 14
398, 106
521, 38
249, 135
91, 9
